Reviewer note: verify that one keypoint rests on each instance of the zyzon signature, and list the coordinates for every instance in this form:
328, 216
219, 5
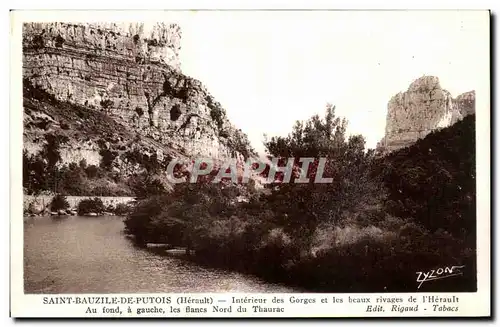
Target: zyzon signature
439, 273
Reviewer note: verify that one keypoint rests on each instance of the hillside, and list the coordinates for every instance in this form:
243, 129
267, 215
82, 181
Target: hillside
114, 97
433, 181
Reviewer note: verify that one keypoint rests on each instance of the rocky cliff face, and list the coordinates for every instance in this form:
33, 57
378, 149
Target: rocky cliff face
135, 78
424, 107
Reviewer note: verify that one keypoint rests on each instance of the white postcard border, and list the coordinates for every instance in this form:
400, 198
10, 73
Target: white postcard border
22, 305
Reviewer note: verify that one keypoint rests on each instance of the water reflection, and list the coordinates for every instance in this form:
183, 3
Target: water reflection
71, 254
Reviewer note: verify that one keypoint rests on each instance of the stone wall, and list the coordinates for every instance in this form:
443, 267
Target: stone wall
43, 201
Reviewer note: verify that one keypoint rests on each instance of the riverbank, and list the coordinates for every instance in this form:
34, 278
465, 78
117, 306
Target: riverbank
368, 266
40, 205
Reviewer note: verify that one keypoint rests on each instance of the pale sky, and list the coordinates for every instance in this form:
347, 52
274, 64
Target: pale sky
269, 69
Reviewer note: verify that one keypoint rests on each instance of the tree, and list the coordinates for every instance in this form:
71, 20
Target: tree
108, 157
302, 207
34, 173
51, 149
72, 180
59, 202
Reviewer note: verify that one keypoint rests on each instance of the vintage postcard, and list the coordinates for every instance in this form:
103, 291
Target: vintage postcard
187, 163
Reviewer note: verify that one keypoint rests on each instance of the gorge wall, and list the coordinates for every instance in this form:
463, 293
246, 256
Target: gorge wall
423, 108
134, 77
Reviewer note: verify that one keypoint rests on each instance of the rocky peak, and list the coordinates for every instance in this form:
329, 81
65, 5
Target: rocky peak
424, 107
466, 103
424, 83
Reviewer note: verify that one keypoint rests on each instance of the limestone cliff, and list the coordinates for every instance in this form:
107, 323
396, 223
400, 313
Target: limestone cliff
424, 107
133, 77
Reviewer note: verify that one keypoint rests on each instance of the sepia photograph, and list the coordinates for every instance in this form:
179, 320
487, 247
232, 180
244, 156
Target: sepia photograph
255, 151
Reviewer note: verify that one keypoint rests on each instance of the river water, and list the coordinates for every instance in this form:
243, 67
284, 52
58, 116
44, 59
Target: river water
91, 255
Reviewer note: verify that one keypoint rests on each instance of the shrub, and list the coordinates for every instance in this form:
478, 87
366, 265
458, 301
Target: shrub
136, 38
92, 171
122, 209
146, 185
139, 111
59, 202
94, 205
83, 164
106, 103
139, 222
107, 159
153, 42
38, 42
217, 114
59, 41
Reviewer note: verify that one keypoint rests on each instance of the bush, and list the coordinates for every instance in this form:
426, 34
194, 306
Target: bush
59, 202
139, 222
222, 241
136, 38
59, 41
107, 159
146, 185
106, 104
38, 42
122, 209
92, 171
94, 205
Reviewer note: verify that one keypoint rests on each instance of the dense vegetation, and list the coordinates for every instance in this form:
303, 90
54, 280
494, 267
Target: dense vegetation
129, 164
373, 228
87, 206
122, 209
434, 180
44, 175
59, 202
